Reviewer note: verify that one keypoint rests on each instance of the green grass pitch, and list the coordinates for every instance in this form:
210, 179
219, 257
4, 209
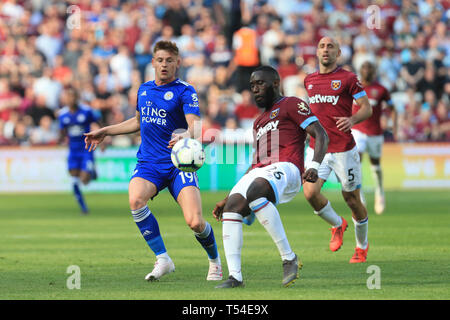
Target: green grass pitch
41, 235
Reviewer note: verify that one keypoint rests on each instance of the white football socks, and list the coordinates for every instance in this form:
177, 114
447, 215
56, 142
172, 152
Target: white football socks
232, 242
328, 214
267, 214
361, 230
378, 178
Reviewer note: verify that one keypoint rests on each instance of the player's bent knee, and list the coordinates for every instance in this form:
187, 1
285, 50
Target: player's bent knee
196, 223
137, 202
197, 226
238, 204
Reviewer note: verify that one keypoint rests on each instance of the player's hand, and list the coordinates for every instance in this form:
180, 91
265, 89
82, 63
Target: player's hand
175, 138
310, 175
344, 123
218, 209
93, 139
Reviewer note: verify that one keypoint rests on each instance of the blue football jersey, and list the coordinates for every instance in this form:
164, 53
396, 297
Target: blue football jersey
162, 110
77, 124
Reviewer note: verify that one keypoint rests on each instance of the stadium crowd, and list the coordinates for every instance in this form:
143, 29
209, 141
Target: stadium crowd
103, 48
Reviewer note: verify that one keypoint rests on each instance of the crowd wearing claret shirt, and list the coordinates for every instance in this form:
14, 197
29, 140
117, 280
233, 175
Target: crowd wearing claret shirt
104, 48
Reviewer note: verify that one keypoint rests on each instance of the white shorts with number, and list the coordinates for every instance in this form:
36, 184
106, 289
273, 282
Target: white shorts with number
372, 144
346, 166
284, 177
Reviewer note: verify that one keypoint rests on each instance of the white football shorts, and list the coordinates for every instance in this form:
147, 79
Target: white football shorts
346, 166
372, 144
284, 177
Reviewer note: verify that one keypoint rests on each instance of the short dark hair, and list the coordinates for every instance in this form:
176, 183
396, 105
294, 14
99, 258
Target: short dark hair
166, 45
72, 89
269, 71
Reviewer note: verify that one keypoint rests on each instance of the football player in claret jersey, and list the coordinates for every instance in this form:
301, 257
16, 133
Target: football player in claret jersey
275, 176
76, 119
164, 106
369, 134
331, 92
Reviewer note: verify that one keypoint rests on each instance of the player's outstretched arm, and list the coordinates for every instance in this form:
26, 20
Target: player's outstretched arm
365, 111
94, 138
316, 130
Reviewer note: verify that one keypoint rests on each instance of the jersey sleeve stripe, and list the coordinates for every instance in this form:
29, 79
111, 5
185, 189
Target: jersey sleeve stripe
308, 121
359, 95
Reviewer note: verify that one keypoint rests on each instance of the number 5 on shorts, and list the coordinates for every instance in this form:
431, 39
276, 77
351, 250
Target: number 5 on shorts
351, 176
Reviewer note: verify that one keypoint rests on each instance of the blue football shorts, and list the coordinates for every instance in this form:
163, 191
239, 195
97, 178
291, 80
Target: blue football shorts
83, 161
165, 176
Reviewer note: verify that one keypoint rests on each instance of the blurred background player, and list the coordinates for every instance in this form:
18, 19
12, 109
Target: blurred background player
75, 119
369, 134
331, 92
164, 106
275, 175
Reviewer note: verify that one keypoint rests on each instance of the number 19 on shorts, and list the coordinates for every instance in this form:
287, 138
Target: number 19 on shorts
188, 177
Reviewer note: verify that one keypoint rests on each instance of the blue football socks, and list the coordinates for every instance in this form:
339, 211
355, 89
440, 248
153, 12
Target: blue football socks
149, 228
78, 194
208, 241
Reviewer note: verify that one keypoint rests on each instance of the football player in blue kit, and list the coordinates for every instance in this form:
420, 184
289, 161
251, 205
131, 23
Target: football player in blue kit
164, 106
75, 119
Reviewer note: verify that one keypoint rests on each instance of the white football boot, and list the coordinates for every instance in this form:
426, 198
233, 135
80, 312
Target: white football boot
380, 204
214, 272
161, 268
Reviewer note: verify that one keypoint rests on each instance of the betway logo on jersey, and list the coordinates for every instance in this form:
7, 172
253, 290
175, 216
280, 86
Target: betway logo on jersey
318, 98
271, 126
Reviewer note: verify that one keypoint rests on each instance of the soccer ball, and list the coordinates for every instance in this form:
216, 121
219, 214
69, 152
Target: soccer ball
188, 155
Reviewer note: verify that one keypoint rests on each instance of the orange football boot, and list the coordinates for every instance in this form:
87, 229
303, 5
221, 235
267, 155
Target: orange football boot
337, 236
360, 255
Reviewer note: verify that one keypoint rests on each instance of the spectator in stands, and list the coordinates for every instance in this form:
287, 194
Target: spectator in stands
49, 87
246, 111
45, 134
413, 70
21, 134
40, 109
221, 55
9, 100
121, 66
176, 16
246, 57
442, 115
